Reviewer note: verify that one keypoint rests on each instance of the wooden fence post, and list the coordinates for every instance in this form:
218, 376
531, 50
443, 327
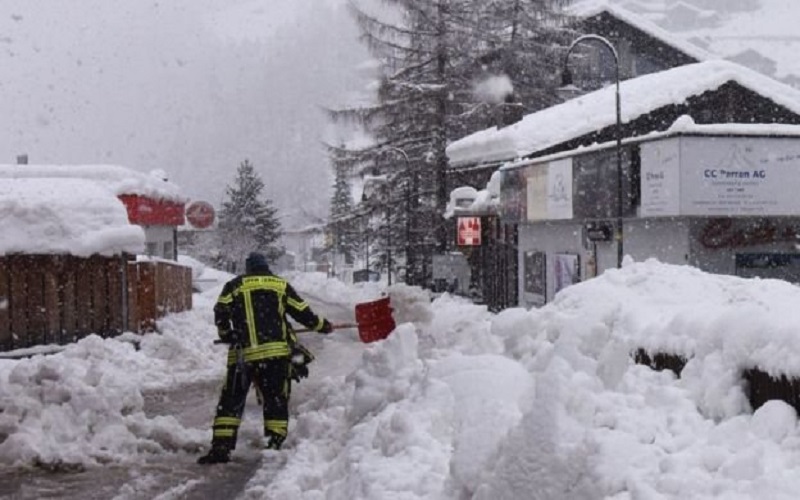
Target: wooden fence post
52, 307
18, 287
99, 294
68, 299
114, 269
83, 299
132, 278
147, 297
6, 342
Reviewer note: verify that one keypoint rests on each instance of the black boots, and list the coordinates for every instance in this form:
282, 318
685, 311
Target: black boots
217, 455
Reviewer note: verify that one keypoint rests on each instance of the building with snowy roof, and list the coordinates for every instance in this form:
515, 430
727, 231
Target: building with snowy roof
759, 35
711, 92
151, 201
643, 46
558, 196
67, 256
64, 216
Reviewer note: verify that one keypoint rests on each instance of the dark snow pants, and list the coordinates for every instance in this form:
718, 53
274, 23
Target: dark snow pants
272, 379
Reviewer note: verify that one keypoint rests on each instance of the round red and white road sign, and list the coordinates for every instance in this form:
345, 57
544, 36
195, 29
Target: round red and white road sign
200, 214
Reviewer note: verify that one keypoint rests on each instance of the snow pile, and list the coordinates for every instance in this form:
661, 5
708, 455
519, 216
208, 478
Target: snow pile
69, 216
83, 405
118, 179
461, 403
548, 403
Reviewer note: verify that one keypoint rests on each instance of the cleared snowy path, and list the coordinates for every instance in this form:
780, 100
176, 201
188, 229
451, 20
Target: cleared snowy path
176, 475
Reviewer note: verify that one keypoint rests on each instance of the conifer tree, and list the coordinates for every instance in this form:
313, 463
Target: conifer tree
412, 114
248, 222
432, 55
342, 220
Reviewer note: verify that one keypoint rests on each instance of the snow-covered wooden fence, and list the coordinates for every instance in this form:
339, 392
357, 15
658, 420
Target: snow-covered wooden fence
759, 385
156, 288
57, 299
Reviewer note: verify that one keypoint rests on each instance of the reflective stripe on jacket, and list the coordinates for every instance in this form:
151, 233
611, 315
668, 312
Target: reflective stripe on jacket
255, 306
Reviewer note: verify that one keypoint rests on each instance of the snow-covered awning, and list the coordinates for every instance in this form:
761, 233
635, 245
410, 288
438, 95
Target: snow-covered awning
120, 180
596, 110
64, 216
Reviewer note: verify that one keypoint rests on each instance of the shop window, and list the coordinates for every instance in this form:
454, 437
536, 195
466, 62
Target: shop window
535, 276
781, 266
595, 183
151, 248
168, 250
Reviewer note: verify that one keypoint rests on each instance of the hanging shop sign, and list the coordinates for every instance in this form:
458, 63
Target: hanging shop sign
469, 231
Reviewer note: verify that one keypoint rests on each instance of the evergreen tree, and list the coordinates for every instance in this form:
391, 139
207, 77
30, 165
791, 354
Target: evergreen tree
523, 40
432, 58
343, 223
248, 222
417, 55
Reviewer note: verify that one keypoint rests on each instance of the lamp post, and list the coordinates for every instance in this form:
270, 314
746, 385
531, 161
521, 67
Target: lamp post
567, 80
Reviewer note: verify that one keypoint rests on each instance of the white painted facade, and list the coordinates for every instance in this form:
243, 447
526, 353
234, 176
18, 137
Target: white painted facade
721, 202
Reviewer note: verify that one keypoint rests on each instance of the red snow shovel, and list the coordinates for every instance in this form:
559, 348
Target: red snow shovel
373, 319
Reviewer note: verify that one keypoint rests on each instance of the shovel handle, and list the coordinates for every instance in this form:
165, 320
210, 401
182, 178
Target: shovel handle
305, 330
335, 327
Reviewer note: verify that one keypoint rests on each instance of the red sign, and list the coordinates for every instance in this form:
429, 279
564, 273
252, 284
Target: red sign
200, 214
469, 231
147, 211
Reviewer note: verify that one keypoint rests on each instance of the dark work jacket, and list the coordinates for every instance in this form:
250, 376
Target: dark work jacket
255, 306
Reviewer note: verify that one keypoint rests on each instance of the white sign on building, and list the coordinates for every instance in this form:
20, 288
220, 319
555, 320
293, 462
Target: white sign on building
661, 178
549, 191
721, 176
740, 176
536, 192
559, 189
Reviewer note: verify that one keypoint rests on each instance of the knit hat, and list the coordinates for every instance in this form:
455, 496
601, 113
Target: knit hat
256, 262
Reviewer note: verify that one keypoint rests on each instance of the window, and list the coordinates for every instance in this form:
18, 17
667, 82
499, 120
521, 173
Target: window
151, 248
168, 250
595, 184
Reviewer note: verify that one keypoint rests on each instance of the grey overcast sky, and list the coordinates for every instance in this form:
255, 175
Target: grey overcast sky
192, 87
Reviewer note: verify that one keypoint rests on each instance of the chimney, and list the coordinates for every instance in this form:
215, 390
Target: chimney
22, 159
509, 112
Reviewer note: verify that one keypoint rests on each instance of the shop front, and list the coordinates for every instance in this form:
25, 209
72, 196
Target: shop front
722, 198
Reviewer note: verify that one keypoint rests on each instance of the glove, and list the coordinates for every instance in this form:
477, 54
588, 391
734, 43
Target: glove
299, 372
327, 327
301, 357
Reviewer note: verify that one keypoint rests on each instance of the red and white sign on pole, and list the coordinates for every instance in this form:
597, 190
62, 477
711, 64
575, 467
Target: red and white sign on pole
200, 214
469, 231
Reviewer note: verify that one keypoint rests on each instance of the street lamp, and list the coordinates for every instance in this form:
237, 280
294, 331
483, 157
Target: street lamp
566, 80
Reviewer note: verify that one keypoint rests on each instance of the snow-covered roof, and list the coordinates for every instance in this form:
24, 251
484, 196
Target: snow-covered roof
120, 180
589, 8
761, 35
48, 217
770, 31
596, 110
684, 125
